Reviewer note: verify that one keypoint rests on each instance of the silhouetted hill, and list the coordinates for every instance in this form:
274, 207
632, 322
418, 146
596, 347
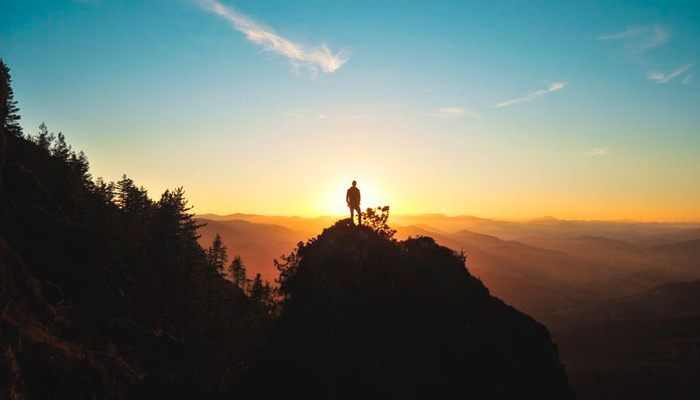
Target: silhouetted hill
370, 317
535, 280
557, 274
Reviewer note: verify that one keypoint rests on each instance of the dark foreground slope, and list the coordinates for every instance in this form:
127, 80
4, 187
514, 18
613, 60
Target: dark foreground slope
369, 317
102, 300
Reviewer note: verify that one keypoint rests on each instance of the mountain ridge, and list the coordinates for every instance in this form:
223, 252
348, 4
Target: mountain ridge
417, 316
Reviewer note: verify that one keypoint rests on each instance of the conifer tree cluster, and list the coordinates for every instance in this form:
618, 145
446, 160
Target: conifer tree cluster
116, 257
259, 291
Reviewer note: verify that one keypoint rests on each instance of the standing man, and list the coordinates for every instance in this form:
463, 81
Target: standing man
353, 199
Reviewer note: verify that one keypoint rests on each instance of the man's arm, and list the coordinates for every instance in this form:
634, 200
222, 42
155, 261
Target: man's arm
347, 196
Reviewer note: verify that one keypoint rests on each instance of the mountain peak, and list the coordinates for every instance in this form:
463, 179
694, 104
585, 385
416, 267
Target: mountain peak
379, 317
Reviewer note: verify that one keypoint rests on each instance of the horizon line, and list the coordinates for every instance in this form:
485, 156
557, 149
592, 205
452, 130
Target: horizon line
542, 217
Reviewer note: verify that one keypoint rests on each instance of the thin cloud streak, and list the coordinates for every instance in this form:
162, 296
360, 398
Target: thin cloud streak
641, 38
455, 112
311, 57
533, 95
660, 77
622, 35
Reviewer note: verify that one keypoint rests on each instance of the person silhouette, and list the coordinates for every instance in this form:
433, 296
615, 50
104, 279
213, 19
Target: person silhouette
352, 197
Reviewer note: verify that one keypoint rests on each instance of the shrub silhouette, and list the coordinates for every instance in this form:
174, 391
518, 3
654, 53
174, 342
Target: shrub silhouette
378, 219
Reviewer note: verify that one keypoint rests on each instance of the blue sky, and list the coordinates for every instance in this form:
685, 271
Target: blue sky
576, 109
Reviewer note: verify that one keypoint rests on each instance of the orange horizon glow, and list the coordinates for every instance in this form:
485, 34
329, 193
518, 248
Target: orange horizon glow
506, 219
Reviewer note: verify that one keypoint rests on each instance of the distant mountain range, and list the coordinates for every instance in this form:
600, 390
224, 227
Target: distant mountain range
541, 266
620, 297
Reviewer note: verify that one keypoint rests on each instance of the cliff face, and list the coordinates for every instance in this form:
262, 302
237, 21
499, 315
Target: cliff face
367, 316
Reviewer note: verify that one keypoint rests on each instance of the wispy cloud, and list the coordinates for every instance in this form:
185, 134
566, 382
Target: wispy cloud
622, 35
313, 58
455, 112
533, 95
597, 151
640, 38
660, 77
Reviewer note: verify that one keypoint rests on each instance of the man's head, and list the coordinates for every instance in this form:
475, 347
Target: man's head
354, 183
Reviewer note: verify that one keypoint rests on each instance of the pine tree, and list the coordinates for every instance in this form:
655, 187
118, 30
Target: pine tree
260, 292
4, 93
9, 112
238, 273
131, 199
217, 254
44, 138
172, 220
104, 191
61, 149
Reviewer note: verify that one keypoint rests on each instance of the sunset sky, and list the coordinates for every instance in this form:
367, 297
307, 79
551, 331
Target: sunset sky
580, 110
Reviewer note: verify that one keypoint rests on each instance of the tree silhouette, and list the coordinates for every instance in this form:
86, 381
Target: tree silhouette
9, 112
237, 272
261, 294
217, 254
5, 93
133, 200
44, 139
287, 266
81, 167
61, 149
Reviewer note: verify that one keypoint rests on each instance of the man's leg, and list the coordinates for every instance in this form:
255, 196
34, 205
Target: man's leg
359, 216
352, 215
